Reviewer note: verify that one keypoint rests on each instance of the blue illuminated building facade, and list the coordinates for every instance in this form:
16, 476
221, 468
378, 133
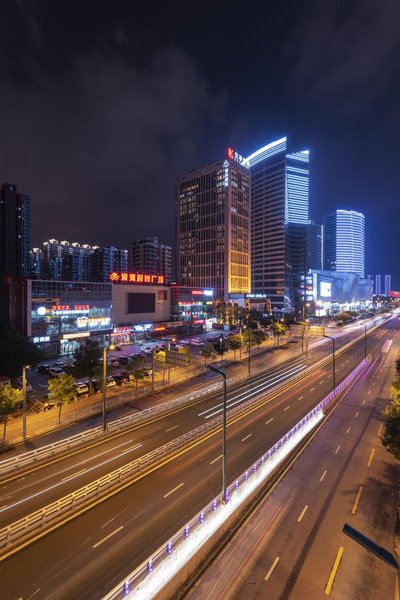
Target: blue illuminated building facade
279, 224
344, 242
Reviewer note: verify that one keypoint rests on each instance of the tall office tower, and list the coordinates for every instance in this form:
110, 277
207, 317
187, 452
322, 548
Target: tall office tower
213, 227
388, 284
120, 260
279, 214
36, 262
15, 231
344, 242
314, 245
378, 285
165, 262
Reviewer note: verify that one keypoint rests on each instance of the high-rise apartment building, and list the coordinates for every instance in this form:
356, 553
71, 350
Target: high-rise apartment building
150, 256
378, 285
279, 228
344, 242
388, 284
106, 260
15, 231
213, 228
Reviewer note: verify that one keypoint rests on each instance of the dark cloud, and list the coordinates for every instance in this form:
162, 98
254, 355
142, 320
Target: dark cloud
99, 146
346, 53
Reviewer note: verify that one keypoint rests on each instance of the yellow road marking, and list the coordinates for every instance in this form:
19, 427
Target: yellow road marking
380, 430
302, 513
357, 500
268, 575
371, 456
333, 572
73, 475
174, 490
108, 536
215, 459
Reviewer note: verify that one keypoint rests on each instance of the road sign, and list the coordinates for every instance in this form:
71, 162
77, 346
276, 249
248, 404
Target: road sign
296, 329
316, 330
176, 358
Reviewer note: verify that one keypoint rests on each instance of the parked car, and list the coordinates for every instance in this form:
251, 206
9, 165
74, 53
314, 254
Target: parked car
135, 355
55, 372
120, 378
123, 360
113, 362
128, 376
43, 369
18, 385
110, 382
118, 348
147, 351
81, 388
199, 343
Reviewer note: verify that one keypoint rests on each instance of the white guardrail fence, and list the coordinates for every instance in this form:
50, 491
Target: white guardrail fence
23, 461
152, 575
23, 529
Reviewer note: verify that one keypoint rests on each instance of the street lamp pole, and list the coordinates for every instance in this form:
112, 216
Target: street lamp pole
104, 388
249, 363
24, 367
365, 340
223, 432
333, 360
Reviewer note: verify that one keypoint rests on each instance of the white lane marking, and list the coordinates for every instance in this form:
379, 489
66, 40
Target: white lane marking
246, 438
312, 389
258, 525
369, 391
174, 490
287, 408
215, 459
249, 393
301, 397
4, 506
337, 449
348, 429
174, 427
363, 401
268, 575
269, 420
55, 485
321, 382
380, 430
329, 375
108, 536
303, 512
113, 519
356, 415
323, 476
73, 475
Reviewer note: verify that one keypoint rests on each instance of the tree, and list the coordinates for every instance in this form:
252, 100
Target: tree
220, 345
87, 360
207, 352
278, 329
235, 344
15, 352
259, 336
187, 353
136, 368
10, 398
62, 391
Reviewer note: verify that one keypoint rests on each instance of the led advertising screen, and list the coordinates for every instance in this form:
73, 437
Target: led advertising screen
325, 289
141, 303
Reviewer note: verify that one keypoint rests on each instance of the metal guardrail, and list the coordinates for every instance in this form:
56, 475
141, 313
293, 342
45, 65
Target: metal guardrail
22, 461
133, 581
22, 529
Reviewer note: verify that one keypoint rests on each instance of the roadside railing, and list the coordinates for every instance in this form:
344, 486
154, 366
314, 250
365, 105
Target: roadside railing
155, 572
22, 461
22, 529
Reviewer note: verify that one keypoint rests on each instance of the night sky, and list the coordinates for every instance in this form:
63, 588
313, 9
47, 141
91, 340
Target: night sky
103, 104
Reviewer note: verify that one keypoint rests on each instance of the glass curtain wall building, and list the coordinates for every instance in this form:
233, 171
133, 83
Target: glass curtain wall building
213, 228
279, 208
344, 242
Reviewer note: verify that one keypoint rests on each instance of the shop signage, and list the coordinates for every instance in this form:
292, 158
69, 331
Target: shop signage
44, 338
141, 278
68, 307
73, 336
122, 329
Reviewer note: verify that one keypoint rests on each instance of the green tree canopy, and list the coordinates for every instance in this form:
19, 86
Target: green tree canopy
87, 360
207, 352
62, 391
10, 398
235, 343
220, 345
15, 352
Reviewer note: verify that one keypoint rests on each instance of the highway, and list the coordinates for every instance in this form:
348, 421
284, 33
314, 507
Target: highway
293, 547
91, 553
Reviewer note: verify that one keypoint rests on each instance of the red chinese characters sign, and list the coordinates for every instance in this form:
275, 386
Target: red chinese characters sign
141, 278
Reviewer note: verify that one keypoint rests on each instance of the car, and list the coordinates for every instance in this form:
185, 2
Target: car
43, 369
113, 362
110, 382
18, 385
118, 348
120, 378
147, 351
199, 343
128, 376
81, 388
55, 372
135, 355
212, 339
123, 360
184, 342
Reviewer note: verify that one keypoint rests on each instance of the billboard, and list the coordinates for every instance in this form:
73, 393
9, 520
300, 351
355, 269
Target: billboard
325, 289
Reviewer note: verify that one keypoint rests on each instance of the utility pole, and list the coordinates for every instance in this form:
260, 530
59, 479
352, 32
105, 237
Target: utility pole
224, 499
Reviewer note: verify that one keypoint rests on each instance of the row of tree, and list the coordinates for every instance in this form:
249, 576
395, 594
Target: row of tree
391, 437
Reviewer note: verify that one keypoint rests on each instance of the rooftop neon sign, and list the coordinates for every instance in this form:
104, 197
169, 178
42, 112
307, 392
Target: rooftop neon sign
141, 278
238, 158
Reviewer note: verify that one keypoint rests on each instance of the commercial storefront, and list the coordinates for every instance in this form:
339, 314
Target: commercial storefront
192, 306
331, 292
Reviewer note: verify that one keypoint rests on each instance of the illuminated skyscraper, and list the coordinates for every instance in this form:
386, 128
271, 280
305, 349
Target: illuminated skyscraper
15, 231
344, 242
213, 227
388, 284
279, 228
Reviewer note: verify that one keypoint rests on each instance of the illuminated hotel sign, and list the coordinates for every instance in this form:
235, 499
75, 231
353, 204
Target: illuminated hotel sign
141, 278
202, 292
67, 307
394, 294
238, 158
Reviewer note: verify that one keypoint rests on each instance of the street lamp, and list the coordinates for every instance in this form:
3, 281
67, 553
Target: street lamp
249, 363
223, 431
104, 400
365, 340
333, 359
24, 368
